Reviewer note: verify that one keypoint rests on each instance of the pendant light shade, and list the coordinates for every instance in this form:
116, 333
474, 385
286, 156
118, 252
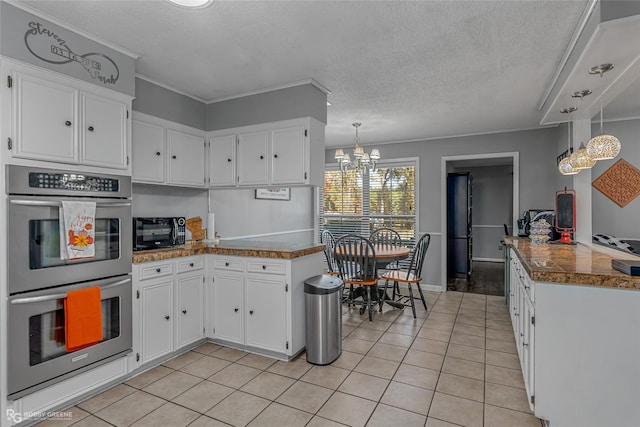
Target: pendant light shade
603, 147
581, 160
565, 167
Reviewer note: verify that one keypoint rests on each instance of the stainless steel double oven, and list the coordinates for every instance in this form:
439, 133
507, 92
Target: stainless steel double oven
38, 279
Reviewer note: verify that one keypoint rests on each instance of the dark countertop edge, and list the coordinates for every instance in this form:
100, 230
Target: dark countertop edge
547, 275
180, 252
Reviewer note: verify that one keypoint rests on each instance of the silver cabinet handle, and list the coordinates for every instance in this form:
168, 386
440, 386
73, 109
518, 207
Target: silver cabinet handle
53, 204
90, 128
67, 123
30, 300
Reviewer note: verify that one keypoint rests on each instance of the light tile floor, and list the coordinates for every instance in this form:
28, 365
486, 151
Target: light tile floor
456, 364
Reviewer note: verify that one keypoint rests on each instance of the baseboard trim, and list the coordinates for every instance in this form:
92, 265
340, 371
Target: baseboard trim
489, 259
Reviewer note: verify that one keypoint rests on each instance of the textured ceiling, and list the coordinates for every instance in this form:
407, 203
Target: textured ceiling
406, 69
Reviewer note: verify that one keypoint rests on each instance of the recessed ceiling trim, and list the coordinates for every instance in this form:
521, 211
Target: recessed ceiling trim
171, 88
312, 82
582, 23
70, 27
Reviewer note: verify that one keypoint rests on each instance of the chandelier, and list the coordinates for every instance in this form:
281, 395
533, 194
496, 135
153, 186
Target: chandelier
603, 146
362, 161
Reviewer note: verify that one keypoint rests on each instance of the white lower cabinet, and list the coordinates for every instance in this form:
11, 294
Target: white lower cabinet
169, 300
258, 303
156, 310
265, 313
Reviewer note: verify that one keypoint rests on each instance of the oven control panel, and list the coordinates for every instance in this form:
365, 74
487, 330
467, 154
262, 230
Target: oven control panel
72, 181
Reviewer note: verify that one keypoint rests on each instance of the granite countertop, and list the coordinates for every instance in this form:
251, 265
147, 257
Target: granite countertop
246, 248
571, 264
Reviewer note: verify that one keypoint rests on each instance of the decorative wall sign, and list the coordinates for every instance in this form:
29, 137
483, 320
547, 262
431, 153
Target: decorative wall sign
273, 193
32, 39
620, 183
48, 46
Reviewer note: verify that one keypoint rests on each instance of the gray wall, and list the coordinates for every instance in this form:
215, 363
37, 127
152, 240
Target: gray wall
160, 102
239, 214
608, 217
538, 174
290, 103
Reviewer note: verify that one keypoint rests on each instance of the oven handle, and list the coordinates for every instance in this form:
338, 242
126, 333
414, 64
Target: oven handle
30, 300
54, 204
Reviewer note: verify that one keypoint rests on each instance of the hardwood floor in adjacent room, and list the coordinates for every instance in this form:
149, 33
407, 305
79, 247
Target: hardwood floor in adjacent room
487, 278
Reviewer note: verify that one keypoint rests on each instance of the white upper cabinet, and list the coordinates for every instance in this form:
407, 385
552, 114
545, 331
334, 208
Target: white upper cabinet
56, 119
103, 122
44, 120
253, 151
165, 152
186, 159
222, 161
289, 152
289, 164
148, 152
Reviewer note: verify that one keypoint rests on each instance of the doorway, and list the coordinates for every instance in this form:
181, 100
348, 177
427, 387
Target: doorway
495, 203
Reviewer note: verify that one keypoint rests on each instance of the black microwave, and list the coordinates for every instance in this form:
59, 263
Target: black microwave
156, 233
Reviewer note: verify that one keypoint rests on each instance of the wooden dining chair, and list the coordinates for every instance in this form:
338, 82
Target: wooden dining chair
356, 258
329, 244
413, 275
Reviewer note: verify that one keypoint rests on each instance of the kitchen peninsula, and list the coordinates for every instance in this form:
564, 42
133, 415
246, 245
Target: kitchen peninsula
245, 294
575, 322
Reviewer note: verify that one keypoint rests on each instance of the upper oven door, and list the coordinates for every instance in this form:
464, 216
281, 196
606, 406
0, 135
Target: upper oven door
34, 243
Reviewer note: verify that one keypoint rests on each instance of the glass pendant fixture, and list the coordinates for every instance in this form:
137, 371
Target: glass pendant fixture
581, 159
603, 147
564, 166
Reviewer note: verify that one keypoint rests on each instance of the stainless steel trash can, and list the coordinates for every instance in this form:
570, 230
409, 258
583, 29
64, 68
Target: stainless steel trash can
323, 304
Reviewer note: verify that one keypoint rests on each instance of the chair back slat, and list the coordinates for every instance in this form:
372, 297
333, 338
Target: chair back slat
355, 256
385, 236
419, 252
329, 245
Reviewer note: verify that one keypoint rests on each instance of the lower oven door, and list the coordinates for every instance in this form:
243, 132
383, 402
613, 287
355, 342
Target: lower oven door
37, 350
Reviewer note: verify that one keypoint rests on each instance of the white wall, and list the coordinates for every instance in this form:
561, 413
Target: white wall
239, 214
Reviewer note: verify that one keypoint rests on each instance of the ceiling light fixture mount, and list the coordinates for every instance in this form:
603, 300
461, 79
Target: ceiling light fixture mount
192, 4
580, 94
362, 161
603, 147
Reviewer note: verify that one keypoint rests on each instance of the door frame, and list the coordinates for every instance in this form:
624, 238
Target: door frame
515, 159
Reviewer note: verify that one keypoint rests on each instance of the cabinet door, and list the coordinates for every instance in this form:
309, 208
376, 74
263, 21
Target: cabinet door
528, 351
228, 323
265, 313
185, 165
157, 320
45, 116
190, 315
252, 158
147, 145
288, 151
222, 161
104, 132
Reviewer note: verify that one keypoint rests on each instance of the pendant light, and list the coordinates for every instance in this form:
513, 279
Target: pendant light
603, 147
564, 166
581, 159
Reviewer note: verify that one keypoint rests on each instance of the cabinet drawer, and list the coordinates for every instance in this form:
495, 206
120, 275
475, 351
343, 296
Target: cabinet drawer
189, 264
229, 264
156, 270
271, 267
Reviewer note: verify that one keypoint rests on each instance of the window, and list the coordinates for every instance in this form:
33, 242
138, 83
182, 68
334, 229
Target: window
386, 197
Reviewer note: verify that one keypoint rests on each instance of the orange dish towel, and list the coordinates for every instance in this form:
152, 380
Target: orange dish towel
82, 318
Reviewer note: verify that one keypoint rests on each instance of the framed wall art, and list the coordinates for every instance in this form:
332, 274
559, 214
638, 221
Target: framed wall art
273, 193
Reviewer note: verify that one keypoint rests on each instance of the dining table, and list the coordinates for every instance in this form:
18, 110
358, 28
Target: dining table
384, 255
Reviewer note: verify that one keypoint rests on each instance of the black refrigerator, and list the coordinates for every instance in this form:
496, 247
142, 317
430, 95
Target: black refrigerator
459, 239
